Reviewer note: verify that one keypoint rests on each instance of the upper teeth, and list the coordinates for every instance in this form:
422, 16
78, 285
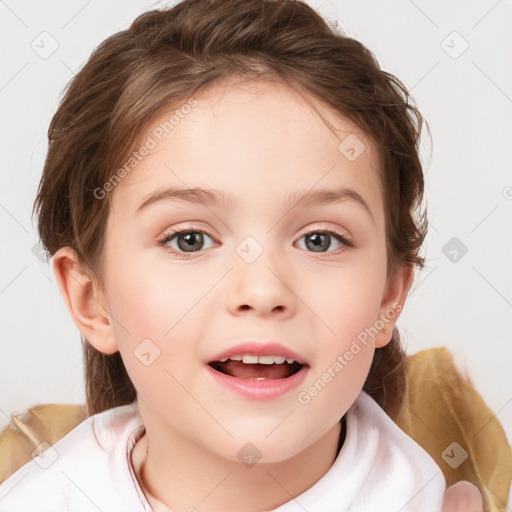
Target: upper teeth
250, 359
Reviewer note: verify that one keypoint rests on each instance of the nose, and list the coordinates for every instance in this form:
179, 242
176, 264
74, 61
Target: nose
261, 288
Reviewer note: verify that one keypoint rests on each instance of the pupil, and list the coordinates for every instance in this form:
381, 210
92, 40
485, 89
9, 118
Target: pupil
189, 239
316, 241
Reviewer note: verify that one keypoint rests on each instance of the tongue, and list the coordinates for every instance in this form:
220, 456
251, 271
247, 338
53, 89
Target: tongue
248, 371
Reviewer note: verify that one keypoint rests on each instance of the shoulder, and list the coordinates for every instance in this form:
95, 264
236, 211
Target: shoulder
85, 470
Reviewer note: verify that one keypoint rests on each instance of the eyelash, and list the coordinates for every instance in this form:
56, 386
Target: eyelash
183, 255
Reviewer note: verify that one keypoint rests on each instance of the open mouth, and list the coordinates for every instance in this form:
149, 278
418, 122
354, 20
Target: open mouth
275, 369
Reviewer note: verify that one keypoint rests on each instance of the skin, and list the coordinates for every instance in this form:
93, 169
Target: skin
316, 303
463, 497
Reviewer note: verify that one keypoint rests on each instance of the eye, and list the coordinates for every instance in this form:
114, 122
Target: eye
320, 240
187, 240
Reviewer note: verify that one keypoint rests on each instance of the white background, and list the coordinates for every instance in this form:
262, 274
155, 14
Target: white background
464, 305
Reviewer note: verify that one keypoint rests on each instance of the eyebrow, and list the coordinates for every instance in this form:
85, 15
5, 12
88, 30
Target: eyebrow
212, 197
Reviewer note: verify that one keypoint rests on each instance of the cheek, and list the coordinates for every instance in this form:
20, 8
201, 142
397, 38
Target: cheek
160, 310
344, 355
151, 297
334, 382
158, 345
346, 300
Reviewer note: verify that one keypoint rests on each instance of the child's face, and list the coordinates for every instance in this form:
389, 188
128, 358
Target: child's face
260, 149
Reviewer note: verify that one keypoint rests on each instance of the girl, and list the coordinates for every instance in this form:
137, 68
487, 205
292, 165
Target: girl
232, 200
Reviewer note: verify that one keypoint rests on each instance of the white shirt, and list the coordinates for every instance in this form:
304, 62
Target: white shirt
378, 469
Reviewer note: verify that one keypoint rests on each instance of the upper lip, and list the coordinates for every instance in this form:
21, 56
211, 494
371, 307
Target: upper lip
259, 349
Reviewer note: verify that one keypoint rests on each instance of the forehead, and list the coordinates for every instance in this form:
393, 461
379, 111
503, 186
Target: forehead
250, 139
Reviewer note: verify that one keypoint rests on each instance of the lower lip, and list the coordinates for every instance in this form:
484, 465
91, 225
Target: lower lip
259, 389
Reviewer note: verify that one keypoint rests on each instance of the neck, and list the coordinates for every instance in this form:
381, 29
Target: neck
183, 475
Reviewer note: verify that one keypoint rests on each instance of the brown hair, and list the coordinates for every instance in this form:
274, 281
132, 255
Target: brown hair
167, 56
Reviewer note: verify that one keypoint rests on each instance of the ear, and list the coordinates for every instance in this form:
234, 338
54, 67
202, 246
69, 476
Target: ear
392, 303
86, 304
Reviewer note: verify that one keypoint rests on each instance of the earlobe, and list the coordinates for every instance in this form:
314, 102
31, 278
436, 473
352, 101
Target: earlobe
392, 304
86, 305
